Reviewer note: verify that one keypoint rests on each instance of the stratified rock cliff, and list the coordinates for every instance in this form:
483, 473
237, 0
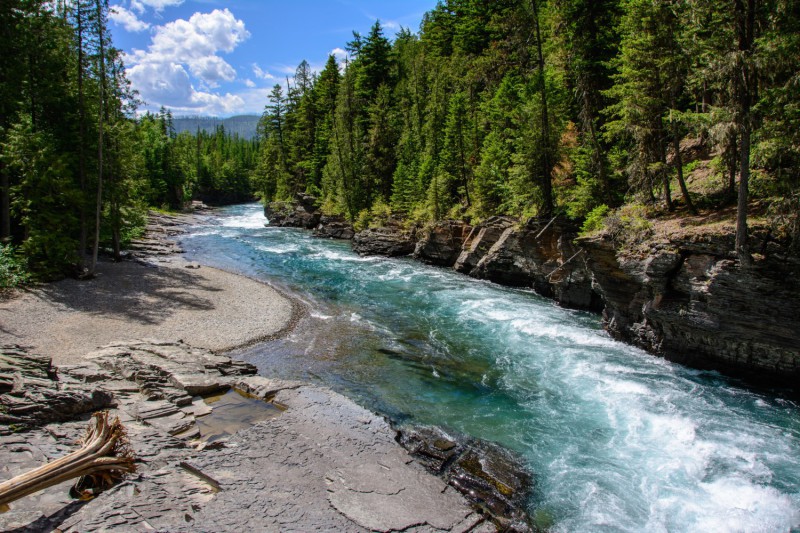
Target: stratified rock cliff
691, 301
391, 240
541, 254
441, 243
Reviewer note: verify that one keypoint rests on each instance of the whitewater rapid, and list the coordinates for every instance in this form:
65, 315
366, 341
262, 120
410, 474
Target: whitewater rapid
618, 440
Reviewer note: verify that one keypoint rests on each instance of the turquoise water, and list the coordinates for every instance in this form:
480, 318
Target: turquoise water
619, 440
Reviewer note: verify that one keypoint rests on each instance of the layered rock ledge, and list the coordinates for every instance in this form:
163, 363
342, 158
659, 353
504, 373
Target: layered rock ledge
319, 462
691, 301
685, 298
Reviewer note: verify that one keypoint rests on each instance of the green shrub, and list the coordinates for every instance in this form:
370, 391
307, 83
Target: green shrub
363, 220
628, 225
13, 268
594, 220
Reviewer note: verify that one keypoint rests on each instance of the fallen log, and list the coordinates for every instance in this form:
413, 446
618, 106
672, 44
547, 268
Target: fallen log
105, 452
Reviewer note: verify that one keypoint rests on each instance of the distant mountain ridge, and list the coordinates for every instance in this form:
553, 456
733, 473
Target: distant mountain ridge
243, 125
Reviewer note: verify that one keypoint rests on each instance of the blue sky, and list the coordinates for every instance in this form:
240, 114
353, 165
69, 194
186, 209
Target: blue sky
209, 57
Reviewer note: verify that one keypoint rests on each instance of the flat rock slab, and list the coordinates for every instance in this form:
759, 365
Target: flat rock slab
380, 497
324, 464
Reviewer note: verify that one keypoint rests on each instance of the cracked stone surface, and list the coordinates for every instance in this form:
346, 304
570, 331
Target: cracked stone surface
324, 464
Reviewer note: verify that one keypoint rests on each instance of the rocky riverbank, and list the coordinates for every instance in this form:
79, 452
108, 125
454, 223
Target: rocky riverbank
688, 298
209, 457
217, 447
154, 294
681, 295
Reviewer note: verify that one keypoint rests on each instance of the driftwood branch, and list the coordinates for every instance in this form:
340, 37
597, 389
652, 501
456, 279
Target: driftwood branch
565, 263
545, 228
105, 450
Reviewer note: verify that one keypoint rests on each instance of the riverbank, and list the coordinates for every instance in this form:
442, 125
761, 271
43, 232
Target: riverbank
172, 300
670, 285
318, 460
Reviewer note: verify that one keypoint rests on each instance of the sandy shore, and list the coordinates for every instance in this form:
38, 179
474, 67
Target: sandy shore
205, 306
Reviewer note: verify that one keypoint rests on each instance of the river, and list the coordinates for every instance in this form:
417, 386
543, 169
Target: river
618, 440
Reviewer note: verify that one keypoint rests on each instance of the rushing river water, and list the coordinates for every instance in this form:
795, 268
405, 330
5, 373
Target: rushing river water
618, 440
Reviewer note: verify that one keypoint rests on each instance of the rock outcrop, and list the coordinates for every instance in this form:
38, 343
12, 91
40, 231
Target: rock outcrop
479, 241
31, 393
318, 462
491, 477
301, 213
334, 227
441, 243
541, 254
391, 240
692, 302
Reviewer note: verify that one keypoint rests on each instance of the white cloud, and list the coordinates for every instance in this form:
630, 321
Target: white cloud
212, 70
261, 74
157, 5
183, 50
162, 83
250, 83
127, 19
187, 41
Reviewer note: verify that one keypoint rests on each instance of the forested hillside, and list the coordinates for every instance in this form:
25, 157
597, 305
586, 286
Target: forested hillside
532, 108
77, 168
525, 108
245, 126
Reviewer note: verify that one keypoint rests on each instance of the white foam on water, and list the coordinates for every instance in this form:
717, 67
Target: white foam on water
332, 255
253, 220
729, 505
279, 249
211, 230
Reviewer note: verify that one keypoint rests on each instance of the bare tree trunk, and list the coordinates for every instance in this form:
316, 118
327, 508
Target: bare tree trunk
745, 28
676, 143
84, 235
663, 169
733, 166
742, 249
547, 184
100, 125
5, 204
104, 450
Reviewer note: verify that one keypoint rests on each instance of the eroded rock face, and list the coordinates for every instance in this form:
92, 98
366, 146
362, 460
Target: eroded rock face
479, 241
334, 227
301, 213
539, 254
441, 243
492, 478
31, 393
693, 303
390, 240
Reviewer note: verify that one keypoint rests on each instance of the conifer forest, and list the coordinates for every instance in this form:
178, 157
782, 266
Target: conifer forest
528, 108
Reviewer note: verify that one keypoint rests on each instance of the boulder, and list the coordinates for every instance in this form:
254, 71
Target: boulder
390, 240
334, 227
441, 242
300, 213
